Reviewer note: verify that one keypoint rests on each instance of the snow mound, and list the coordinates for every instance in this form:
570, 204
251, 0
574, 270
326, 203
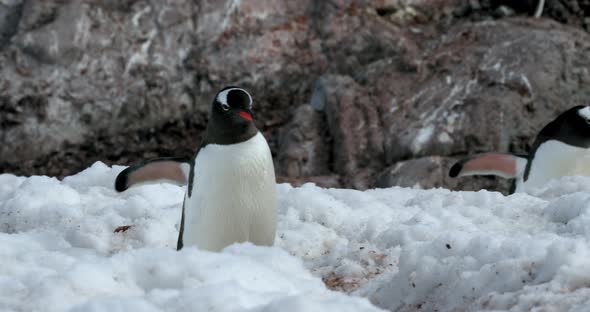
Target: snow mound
59, 253
402, 249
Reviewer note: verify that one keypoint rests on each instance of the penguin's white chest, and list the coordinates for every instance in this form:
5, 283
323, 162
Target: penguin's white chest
554, 159
233, 196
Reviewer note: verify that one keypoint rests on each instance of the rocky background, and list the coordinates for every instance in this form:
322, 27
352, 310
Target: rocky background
349, 93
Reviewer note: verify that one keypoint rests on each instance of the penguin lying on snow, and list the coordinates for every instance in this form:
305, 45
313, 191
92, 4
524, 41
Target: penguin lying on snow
560, 149
231, 194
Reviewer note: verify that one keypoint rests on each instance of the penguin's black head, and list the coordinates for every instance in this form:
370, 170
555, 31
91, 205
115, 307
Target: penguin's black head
581, 122
231, 119
233, 102
571, 127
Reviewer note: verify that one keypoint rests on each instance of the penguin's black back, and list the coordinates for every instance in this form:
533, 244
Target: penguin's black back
569, 128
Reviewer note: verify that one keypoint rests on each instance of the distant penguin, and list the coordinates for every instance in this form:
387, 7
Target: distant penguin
562, 148
231, 195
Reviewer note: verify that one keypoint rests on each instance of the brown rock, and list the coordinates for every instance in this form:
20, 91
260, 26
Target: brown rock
390, 81
94, 70
10, 14
354, 124
487, 86
304, 150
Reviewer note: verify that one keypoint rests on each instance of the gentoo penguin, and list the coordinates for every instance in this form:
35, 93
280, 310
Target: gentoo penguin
560, 149
231, 194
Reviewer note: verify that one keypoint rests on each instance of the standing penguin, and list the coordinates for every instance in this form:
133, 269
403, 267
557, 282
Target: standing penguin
231, 194
562, 148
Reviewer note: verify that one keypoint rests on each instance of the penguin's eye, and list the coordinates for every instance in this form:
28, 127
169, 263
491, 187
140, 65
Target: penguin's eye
224, 107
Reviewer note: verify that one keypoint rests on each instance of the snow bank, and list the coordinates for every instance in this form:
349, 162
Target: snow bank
403, 249
58, 253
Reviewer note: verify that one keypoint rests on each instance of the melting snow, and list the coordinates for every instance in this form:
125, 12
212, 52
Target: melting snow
404, 249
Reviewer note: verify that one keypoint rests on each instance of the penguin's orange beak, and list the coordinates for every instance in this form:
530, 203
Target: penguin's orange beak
245, 115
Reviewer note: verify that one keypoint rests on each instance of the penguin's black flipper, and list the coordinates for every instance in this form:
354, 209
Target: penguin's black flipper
172, 170
180, 244
507, 166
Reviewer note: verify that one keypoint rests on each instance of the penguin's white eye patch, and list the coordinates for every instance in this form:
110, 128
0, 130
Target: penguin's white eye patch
224, 107
585, 113
236, 98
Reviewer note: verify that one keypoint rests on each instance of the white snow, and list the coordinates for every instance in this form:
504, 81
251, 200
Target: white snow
403, 249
